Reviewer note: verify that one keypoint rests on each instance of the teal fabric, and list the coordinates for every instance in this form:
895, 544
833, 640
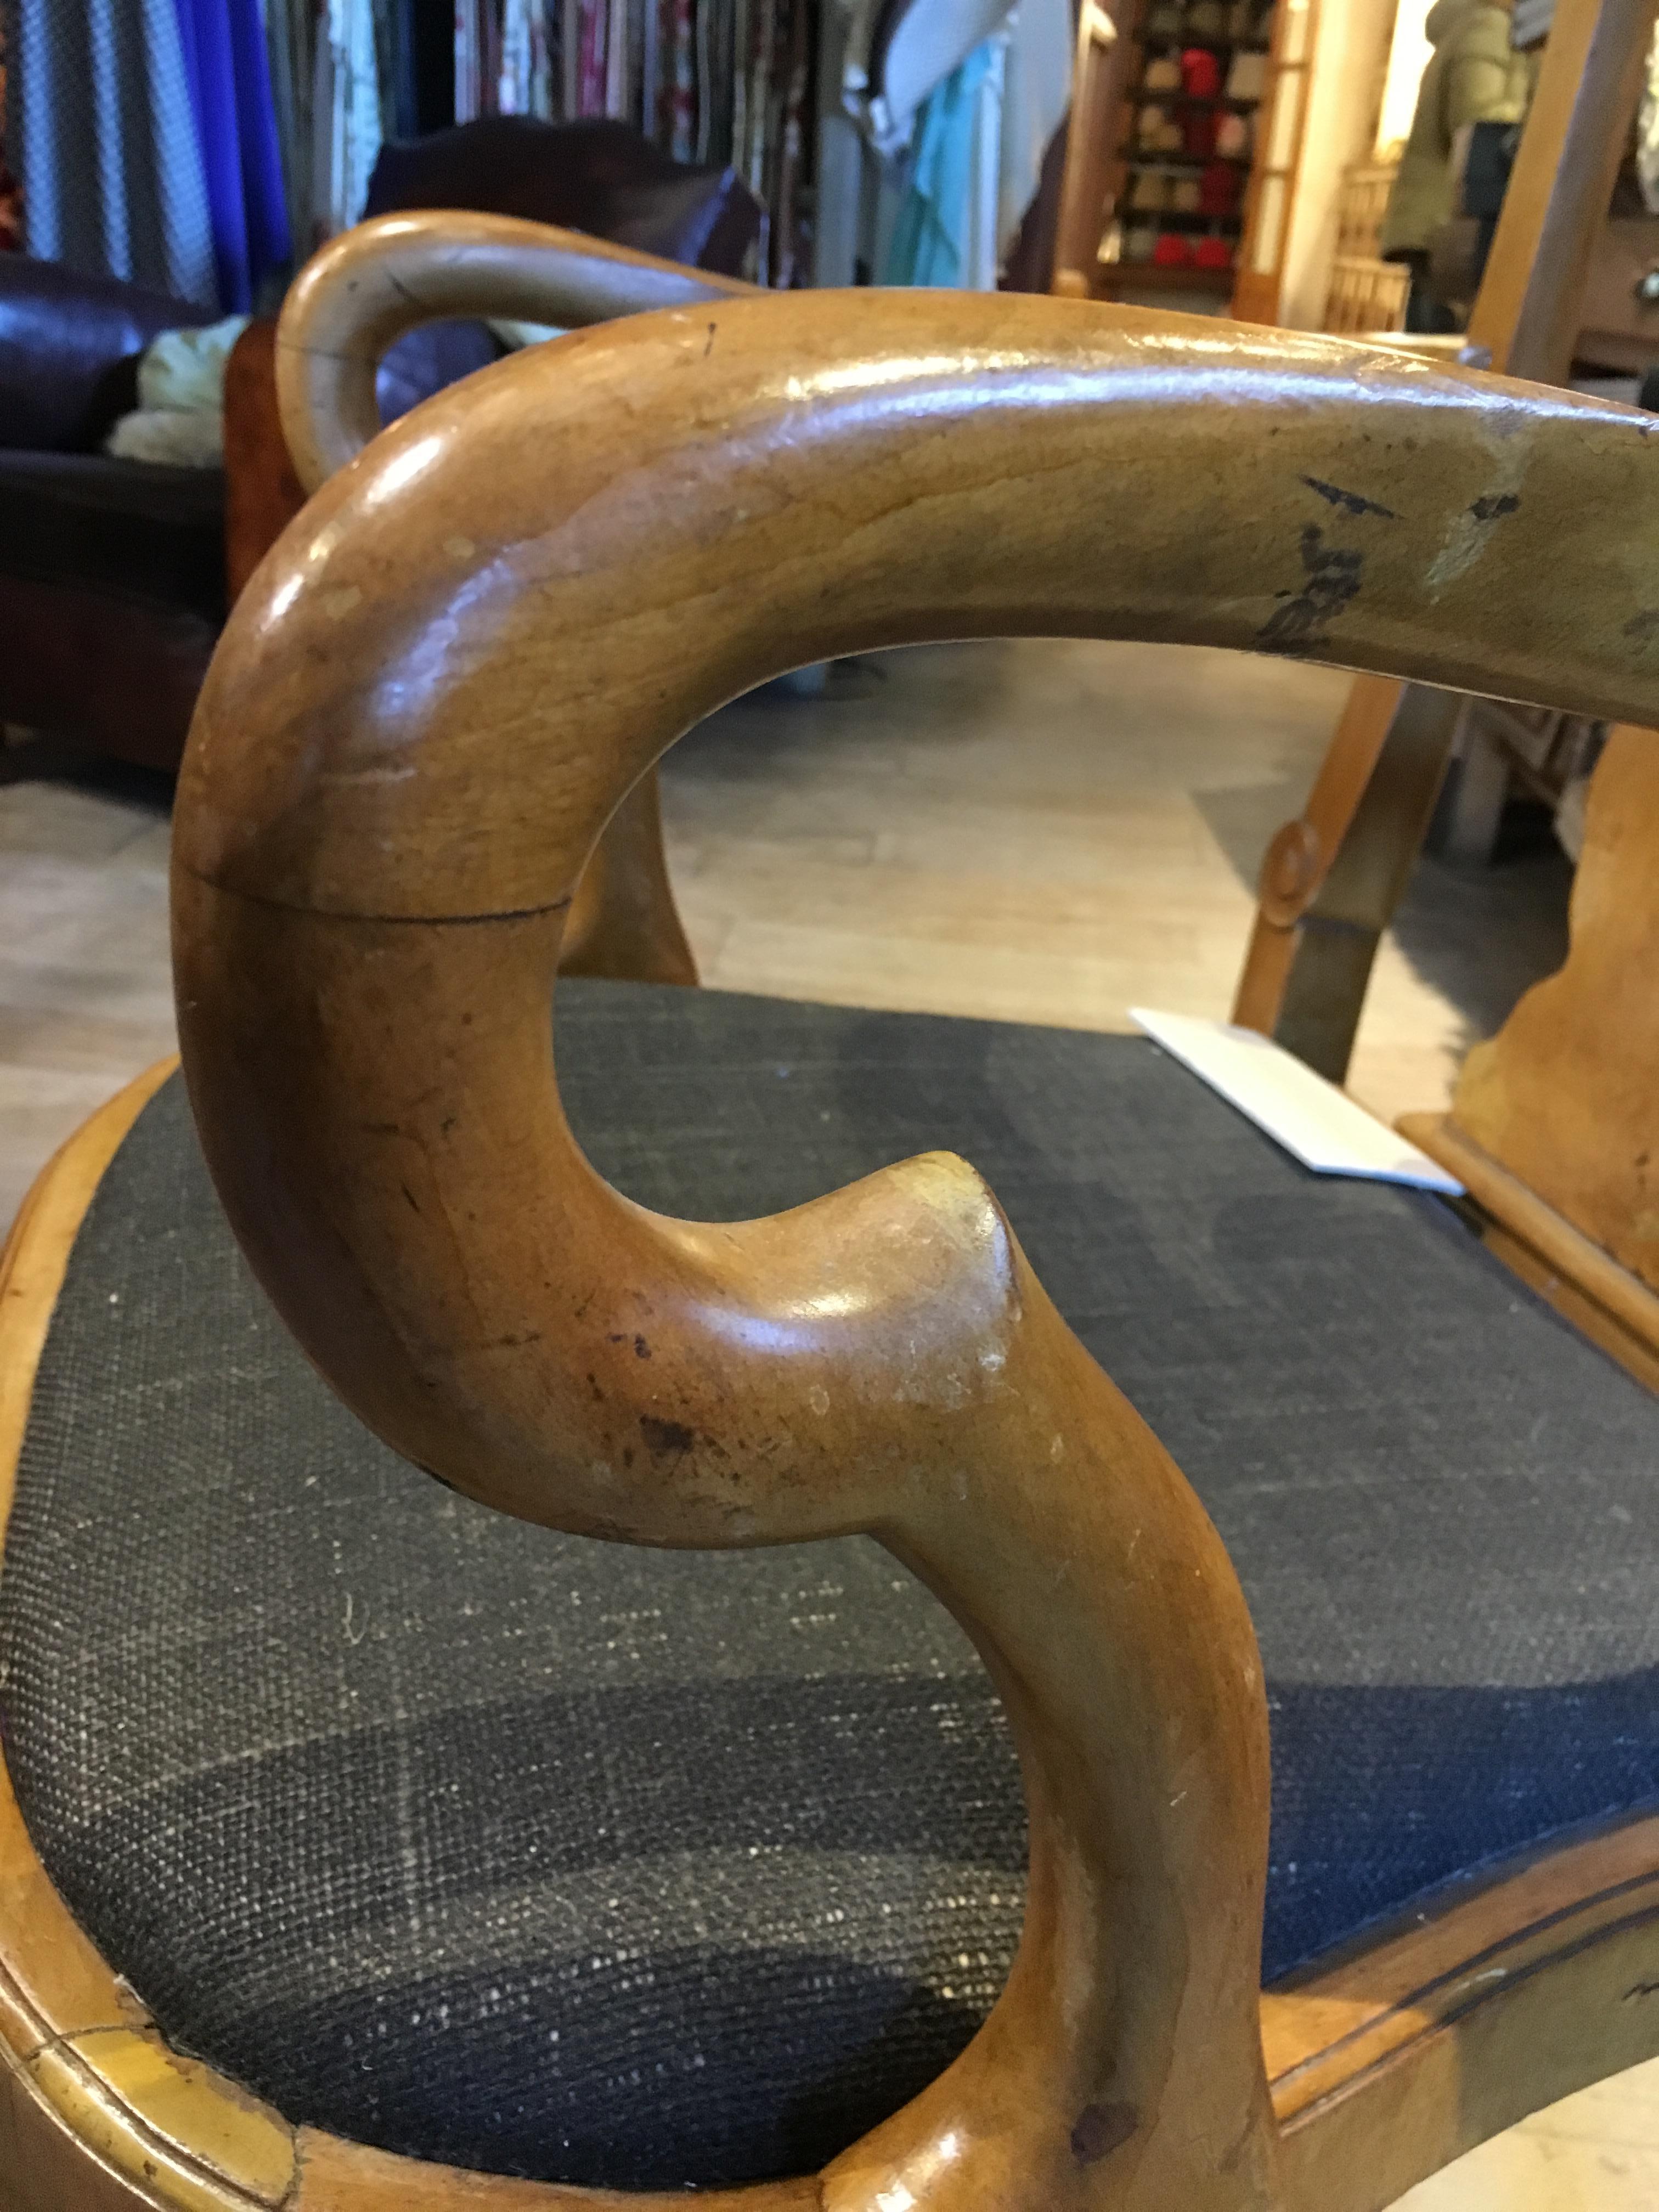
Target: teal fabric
929, 244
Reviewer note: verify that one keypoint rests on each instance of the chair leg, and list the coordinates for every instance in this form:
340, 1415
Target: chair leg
1333, 878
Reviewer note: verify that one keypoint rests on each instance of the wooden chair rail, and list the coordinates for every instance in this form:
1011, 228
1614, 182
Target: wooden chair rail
426, 707
350, 304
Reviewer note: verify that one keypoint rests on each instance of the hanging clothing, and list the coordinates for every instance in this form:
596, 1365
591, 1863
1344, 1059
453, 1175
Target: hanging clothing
11, 195
682, 81
594, 54
1036, 94
100, 130
1474, 76
291, 59
395, 48
229, 79
946, 232
470, 102
526, 79
345, 115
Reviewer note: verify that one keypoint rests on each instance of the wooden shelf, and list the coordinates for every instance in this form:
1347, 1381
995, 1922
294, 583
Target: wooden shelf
1155, 276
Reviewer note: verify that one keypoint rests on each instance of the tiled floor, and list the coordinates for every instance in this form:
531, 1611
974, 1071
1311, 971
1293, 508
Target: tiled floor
1050, 832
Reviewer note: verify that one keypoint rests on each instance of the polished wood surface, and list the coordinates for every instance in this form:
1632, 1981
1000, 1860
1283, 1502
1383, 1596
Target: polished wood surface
359, 294
768, 514
367, 922
1303, 980
1432, 2038
1564, 1098
340, 2176
349, 304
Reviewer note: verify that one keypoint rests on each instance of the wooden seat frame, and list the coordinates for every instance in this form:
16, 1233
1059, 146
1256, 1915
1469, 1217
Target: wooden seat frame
438, 690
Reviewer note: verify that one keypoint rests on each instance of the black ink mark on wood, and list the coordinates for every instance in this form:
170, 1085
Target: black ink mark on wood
1333, 574
1351, 502
666, 1436
1494, 504
1100, 2128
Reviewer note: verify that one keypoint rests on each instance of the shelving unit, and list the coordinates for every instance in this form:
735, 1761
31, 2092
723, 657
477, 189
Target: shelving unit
1150, 189
1319, 72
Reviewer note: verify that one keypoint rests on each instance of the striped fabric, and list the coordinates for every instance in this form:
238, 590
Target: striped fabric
99, 131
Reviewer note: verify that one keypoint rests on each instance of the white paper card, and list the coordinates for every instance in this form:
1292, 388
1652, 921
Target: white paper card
1325, 1129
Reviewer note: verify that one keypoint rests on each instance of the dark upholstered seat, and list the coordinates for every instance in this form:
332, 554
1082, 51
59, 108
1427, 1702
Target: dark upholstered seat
537, 1855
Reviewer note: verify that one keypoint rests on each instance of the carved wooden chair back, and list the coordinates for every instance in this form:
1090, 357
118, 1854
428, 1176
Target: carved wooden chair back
369, 910
363, 291
349, 305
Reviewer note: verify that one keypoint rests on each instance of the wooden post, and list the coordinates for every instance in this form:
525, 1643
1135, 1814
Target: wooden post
1099, 77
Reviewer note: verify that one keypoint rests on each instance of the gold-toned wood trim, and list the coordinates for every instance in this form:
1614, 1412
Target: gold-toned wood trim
1384, 2062
96, 2113
354, 299
52, 1983
1425, 2041
362, 291
1595, 1293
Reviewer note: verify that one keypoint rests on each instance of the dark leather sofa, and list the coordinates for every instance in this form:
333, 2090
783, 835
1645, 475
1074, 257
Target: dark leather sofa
113, 573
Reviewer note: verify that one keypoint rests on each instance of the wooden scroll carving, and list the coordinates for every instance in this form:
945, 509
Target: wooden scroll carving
464, 653
362, 291
349, 307
1384, 2062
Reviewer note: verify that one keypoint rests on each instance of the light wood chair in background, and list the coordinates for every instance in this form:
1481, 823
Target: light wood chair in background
1333, 878
482, 1863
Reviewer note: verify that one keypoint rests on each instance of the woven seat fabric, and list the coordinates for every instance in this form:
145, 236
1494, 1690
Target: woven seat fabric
541, 1856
